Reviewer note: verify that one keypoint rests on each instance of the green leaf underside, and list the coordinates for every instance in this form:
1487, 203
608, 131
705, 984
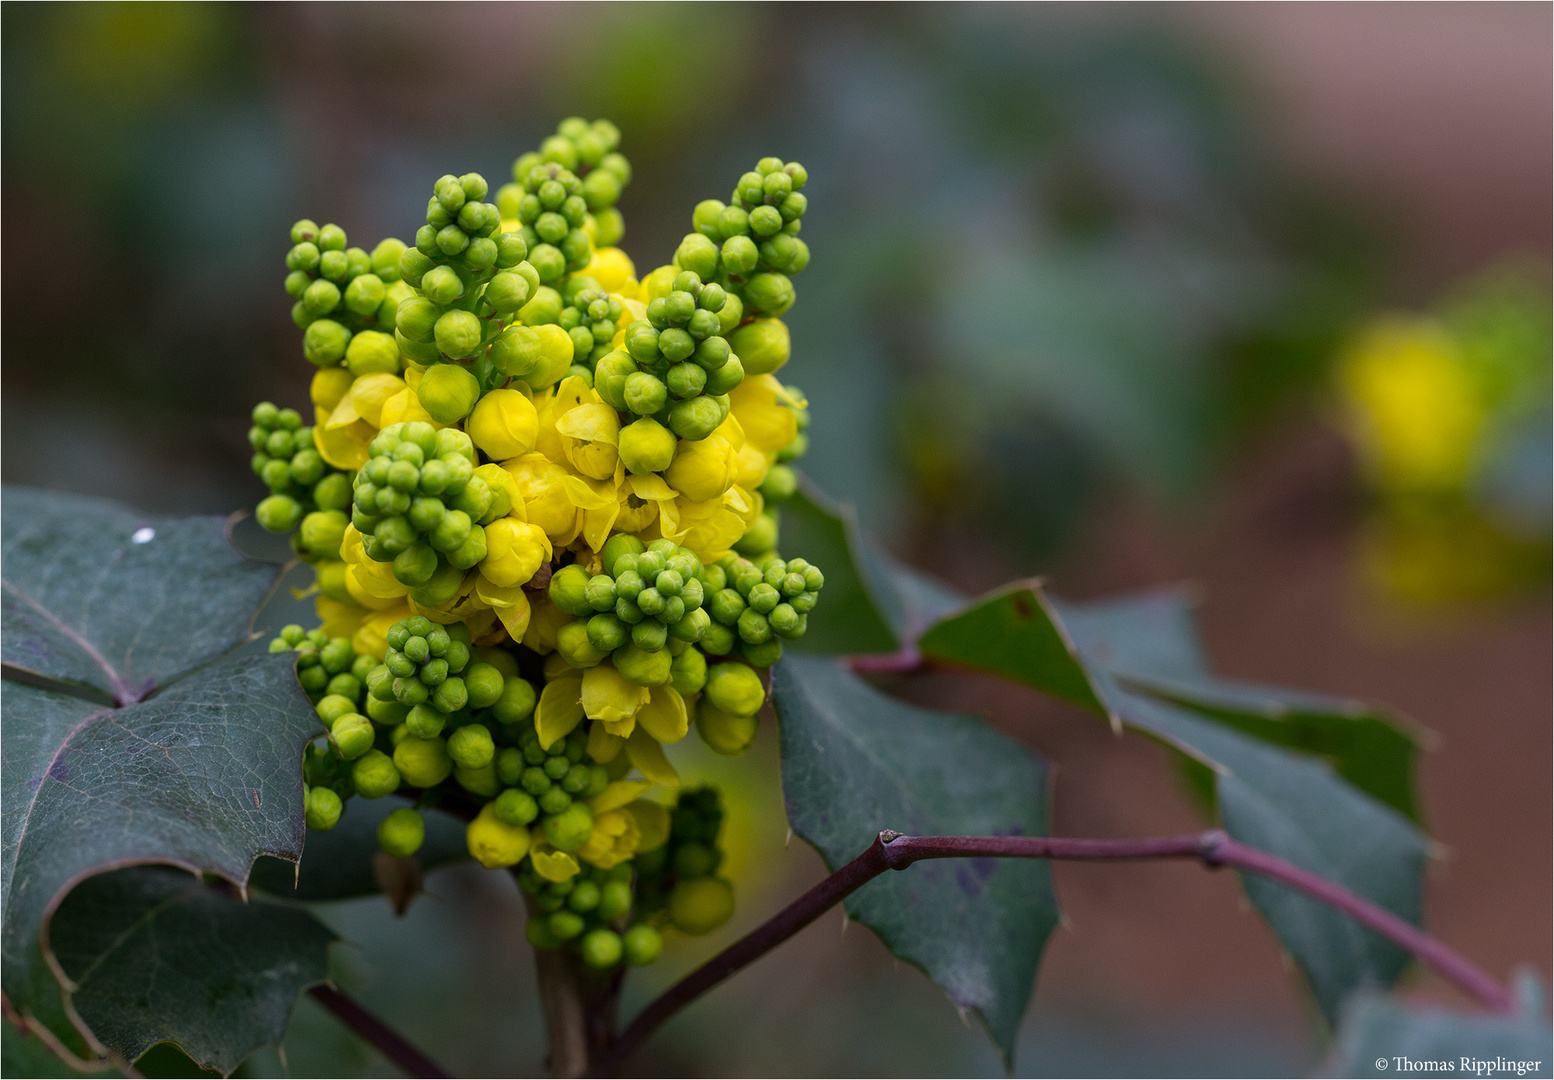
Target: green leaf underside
338, 864
157, 954
1288, 804
855, 761
1376, 1028
199, 768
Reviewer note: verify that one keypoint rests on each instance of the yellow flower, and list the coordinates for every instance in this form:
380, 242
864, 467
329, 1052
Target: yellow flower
751, 467
543, 485
550, 864
339, 619
373, 585
510, 604
599, 502
544, 623
757, 403
560, 709
652, 824
343, 447
1414, 409
613, 841
329, 386
762, 345
610, 698
659, 283
703, 470
365, 400
664, 716
710, 528
555, 357
648, 756
504, 424
514, 551
506, 499
611, 268
405, 406
372, 636
617, 794
602, 746
493, 842
590, 435
372, 351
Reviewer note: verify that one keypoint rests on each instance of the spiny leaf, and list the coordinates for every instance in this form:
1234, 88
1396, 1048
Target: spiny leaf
855, 761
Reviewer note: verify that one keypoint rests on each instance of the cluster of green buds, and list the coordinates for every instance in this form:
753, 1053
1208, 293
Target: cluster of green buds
420, 503
589, 913
553, 786
589, 318
645, 597
763, 603
751, 245
576, 175
341, 291
679, 878
289, 463
677, 367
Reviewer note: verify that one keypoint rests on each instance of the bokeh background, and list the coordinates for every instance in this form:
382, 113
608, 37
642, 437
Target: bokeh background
1252, 295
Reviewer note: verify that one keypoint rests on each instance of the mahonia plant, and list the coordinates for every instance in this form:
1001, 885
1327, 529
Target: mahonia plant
540, 498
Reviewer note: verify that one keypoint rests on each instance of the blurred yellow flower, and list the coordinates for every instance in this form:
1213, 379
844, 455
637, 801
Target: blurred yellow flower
611, 268
613, 841
560, 709
609, 698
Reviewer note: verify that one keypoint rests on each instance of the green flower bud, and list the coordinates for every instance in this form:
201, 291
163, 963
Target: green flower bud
416, 319
278, 513
325, 342
471, 746
401, 833
688, 672
614, 900
567, 590
372, 351
644, 394
616, 546
740, 255
753, 627
763, 346
642, 667
606, 632
601, 949
686, 380
780, 484
374, 775
692, 626
554, 801
573, 644
760, 537
516, 703
699, 255
769, 294
600, 593
717, 640
320, 297
484, 683
565, 925
570, 829
676, 345
641, 945
388, 713
424, 763
425, 722
646, 446
762, 655
353, 735
534, 780
516, 808
734, 689
701, 905
698, 417
725, 378
457, 334
650, 634
451, 696
448, 392
323, 809
321, 534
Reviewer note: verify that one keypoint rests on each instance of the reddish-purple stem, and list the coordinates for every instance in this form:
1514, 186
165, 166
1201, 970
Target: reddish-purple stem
903, 661
388, 1042
892, 851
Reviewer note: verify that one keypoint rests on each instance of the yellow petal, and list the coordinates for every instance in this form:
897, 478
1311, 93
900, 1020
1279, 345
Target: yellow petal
663, 717
511, 606
372, 636
611, 268
621, 729
372, 589
589, 494
340, 620
757, 403
344, 448
329, 386
652, 487
652, 824
553, 865
406, 406
609, 697
648, 756
598, 523
370, 392
602, 746
617, 795
559, 711
592, 423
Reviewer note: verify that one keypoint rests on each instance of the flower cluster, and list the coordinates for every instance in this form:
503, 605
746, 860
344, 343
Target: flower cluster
538, 493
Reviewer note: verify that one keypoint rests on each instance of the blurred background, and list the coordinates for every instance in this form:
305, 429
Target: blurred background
1254, 295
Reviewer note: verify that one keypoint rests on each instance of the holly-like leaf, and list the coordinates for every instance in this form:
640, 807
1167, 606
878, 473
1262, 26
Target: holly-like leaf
1137, 661
132, 733
1378, 1030
339, 864
872, 603
854, 762
156, 954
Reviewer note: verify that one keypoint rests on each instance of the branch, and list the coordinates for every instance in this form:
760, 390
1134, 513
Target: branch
892, 851
388, 1042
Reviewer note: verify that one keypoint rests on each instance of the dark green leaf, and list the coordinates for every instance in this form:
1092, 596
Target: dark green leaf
1137, 661
158, 955
851, 616
338, 864
97, 594
1377, 1030
854, 762
198, 767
